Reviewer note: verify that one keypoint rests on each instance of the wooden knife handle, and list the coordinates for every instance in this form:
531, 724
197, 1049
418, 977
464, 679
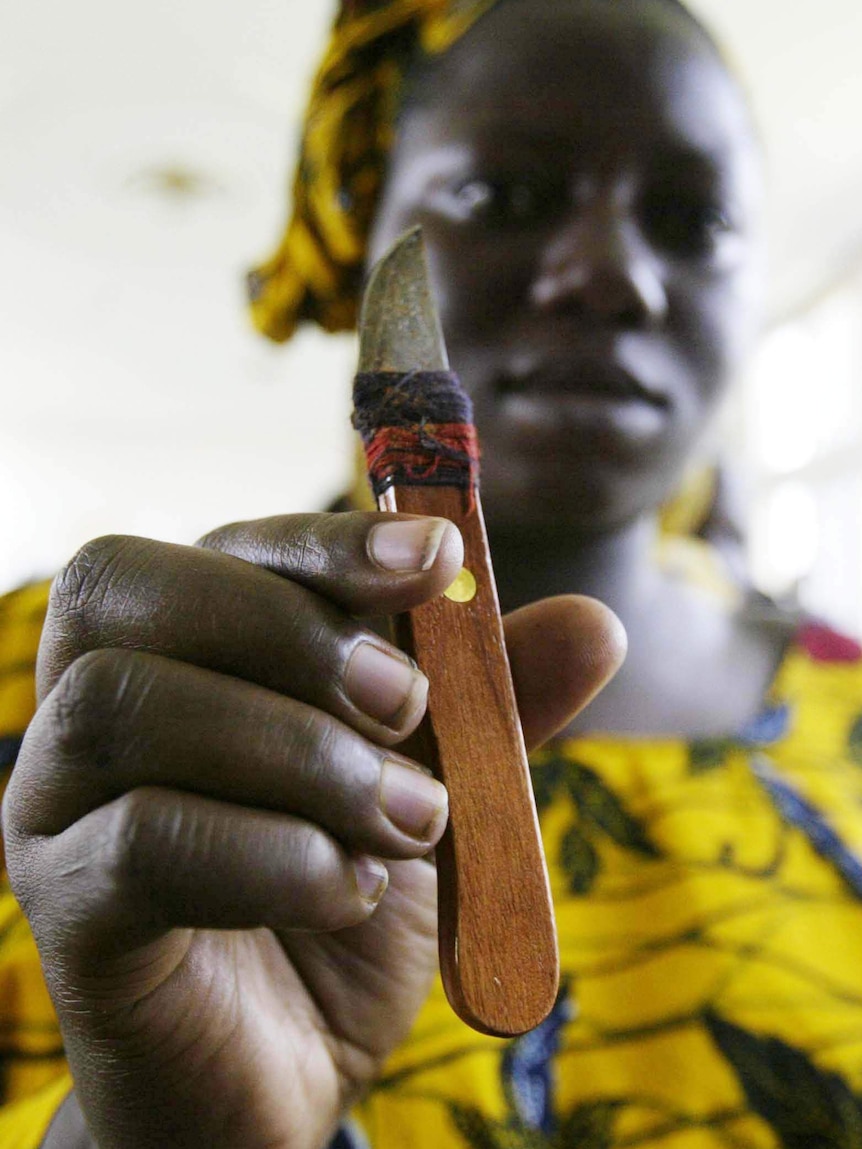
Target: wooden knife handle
497, 936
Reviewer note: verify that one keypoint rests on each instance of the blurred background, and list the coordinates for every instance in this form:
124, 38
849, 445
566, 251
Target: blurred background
144, 153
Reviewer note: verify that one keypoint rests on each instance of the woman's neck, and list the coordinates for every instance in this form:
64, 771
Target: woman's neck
693, 669
615, 566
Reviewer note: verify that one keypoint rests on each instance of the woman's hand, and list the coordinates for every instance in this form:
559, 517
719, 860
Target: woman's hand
197, 820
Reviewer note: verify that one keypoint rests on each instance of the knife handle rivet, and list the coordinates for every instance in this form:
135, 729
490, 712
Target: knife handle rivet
463, 589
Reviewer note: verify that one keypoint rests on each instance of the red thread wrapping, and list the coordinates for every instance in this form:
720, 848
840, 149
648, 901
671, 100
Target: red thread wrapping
430, 455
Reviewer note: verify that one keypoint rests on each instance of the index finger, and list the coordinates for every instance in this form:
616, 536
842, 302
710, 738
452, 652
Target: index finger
237, 617
350, 557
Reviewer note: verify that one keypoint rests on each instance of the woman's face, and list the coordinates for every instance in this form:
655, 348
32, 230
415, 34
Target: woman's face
588, 183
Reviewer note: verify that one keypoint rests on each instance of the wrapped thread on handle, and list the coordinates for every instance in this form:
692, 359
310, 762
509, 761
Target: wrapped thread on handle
417, 429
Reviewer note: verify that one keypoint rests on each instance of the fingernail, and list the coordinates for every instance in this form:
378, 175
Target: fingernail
406, 545
384, 686
412, 800
372, 878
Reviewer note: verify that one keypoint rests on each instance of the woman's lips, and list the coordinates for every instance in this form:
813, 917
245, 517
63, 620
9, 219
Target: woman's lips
583, 397
596, 378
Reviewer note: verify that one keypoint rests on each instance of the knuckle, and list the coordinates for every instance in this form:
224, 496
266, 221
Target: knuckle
289, 544
96, 694
219, 538
336, 767
14, 809
309, 554
314, 740
18, 846
125, 850
293, 545
86, 572
20, 872
81, 589
323, 895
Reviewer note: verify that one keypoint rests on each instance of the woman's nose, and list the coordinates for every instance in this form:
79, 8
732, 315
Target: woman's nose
597, 265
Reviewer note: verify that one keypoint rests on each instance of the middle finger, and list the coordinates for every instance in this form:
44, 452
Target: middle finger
119, 720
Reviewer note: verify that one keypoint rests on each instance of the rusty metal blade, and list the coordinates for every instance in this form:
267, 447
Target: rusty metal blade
399, 328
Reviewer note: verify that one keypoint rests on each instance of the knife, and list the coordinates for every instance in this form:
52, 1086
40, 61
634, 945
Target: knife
497, 936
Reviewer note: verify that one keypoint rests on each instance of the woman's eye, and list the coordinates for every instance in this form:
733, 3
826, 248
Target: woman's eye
500, 202
686, 225
474, 196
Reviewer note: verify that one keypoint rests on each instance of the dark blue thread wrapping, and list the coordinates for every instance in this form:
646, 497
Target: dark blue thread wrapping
392, 399
407, 421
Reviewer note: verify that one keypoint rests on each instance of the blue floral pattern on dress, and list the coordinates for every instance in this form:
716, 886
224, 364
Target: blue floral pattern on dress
527, 1068
797, 811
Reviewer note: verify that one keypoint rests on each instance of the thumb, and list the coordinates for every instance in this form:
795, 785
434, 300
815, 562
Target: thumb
563, 651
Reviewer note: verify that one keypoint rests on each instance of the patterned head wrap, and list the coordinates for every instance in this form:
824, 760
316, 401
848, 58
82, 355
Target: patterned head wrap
316, 272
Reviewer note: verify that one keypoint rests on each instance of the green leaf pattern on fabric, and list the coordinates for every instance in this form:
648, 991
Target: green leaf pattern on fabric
588, 1126
600, 814
579, 860
600, 808
481, 1132
807, 1107
854, 742
707, 754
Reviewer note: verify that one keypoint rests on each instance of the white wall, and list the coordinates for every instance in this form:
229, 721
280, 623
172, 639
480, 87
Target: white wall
135, 397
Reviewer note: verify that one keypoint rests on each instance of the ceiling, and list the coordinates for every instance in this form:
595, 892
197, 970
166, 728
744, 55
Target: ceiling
145, 148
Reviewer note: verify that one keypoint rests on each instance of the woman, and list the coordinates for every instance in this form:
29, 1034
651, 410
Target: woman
197, 818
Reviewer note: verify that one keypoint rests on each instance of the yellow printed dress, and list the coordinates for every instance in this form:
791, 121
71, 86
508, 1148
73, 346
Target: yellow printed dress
709, 904
33, 1076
